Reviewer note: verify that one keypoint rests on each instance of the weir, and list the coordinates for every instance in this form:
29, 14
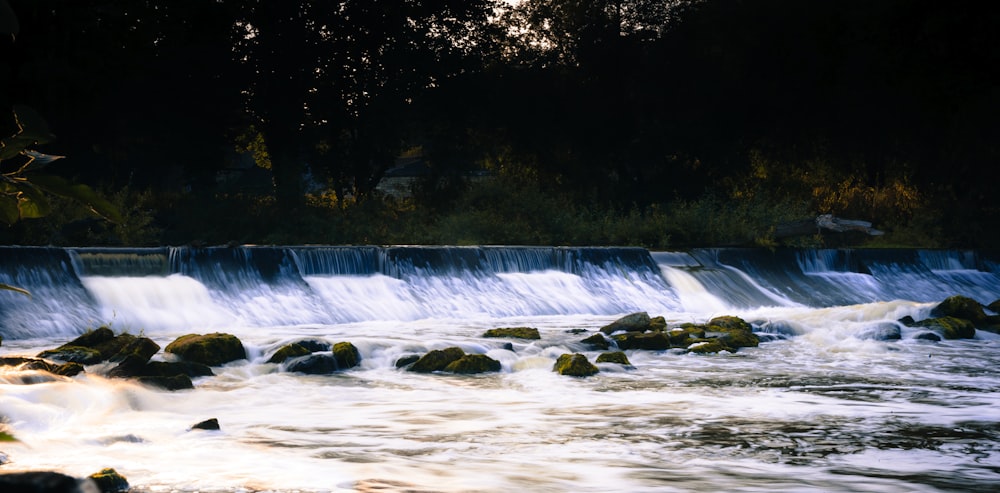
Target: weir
74, 289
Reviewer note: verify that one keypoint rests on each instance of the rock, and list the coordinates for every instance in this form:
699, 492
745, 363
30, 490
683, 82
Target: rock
708, 346
68, 369
961, 307
515, 332
731, 323
38, 482
684, 335
115, 345
173, 382
208, 424
473, 363
314, 345
75, 354
574, 365
93, 338
313, 364
346, 355
210, 349
109, 481
950, 327
736, 333
635, 322
657, 323
597, 341
293, 350
887, 331
655, 341
142, 347
928, 336
407, 360
436, 360
614, 357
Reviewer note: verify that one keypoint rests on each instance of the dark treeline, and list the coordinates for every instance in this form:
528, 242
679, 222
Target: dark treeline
658, 123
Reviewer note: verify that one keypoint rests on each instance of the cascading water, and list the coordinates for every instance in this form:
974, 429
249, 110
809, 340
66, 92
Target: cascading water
823, 404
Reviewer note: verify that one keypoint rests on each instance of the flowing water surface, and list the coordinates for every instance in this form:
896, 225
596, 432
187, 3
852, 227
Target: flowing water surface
823, 404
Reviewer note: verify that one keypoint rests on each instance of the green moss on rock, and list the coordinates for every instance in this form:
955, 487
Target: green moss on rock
514, 332
75, 354
655, 341
708, 346
436, 360
574, 365
110, 481
210, 349
961, 307
950, 327
614, 357
634, 322
597, 341
346, 355
288, 351
473, 363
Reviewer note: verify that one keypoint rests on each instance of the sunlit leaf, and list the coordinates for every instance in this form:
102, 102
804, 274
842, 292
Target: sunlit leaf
32, 203
79, 192
8, 287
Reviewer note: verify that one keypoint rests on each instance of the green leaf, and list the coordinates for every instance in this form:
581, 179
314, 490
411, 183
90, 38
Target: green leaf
79, 192
32, 203
16, 289
9, 211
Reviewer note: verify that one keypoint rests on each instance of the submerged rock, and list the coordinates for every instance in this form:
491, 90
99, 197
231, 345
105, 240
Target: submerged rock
210, 349
313, 364
574, 365
886, 331
407, 360
709, 346
38, 482
950, 327
515, 332
75, 354
173, 382
208, 424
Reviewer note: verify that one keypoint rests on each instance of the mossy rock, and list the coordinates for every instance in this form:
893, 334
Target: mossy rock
614, 357
653, 341
634, 322
70, 369
288, 351
436, 360
514, 332
473, 363
731, 323
142, 347
950, 327
93, 338
210, 349
597, 341
74, 354
109, 481
708, 346
994, 307
960, 307
313, 364
657, 323
683, 335
346, 355
574, 365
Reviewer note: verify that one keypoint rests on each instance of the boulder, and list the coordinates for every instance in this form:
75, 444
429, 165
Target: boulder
614, 357
436, 360
574, 365
208, 424
38, 482
346, 355
70, 369
473, 363
684, 335
635, 322
950, 327
514, 332
210, 349
143, 347
314, 345
960, 307
597, 341
733, 332
886, 331
655, 341
173, 382
407, 360
313, 364
75, 354
109, 481
93, 338
928, 336
708, 346
288, 351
